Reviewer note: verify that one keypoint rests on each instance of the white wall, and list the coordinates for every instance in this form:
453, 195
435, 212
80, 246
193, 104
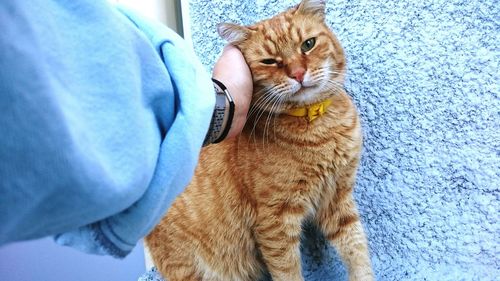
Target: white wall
165, 11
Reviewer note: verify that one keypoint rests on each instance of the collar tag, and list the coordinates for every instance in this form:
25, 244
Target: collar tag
312, 111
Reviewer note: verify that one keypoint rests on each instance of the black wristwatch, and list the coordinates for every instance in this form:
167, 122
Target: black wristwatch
222, 117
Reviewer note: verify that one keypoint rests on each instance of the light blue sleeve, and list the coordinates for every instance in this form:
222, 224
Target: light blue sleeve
102, 116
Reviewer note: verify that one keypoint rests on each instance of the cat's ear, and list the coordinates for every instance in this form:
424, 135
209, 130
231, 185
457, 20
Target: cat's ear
312, 7
233, 33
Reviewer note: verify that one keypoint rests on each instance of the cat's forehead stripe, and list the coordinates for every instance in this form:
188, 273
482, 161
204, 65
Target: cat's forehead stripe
268, 48
296, 34
258, 52
286, 36
283, 27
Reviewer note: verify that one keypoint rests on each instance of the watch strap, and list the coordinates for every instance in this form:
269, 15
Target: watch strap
230, 110
222, 116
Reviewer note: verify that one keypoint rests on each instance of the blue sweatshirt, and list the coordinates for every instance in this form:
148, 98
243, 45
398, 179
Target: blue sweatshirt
102, 116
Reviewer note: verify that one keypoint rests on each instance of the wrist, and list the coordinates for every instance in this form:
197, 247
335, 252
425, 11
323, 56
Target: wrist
233, 71
241, 97
222, 117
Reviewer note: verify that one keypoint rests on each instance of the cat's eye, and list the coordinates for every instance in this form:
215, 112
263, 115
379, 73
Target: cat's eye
268, 61
308, 45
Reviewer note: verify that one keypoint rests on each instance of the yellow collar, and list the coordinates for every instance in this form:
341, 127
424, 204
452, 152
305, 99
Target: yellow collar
311, 111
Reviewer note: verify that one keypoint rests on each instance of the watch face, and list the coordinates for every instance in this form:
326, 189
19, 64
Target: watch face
220, 100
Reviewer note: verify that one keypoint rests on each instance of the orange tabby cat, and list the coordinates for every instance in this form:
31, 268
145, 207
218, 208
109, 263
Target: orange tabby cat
296, 160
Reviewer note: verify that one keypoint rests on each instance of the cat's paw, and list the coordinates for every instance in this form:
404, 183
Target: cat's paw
366, 275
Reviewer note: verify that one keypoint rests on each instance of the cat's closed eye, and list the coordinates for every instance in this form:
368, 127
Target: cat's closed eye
277, 63
269, 61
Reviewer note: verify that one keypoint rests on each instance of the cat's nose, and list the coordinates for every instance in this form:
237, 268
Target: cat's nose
298, 74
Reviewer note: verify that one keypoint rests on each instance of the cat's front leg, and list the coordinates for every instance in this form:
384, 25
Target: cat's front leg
344, 231
277, 232
339, 220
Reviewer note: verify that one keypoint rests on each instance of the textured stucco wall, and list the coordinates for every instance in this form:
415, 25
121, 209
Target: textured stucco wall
425, 77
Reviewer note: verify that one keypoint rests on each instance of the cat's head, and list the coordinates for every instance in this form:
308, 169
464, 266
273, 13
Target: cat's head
294, 58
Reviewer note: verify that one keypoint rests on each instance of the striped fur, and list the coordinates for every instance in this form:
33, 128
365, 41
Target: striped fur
243, 212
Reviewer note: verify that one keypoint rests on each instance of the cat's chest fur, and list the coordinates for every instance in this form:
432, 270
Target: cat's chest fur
291, 160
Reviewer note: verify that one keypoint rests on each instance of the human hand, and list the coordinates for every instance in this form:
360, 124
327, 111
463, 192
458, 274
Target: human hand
232, 70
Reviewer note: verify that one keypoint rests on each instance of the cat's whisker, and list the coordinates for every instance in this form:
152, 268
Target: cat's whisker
271, 113
328, 69
325, 74
264, 103
265, 93
281, 101
334, 90
266, 124
255, 105
256, 121
258, 105
333, 82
